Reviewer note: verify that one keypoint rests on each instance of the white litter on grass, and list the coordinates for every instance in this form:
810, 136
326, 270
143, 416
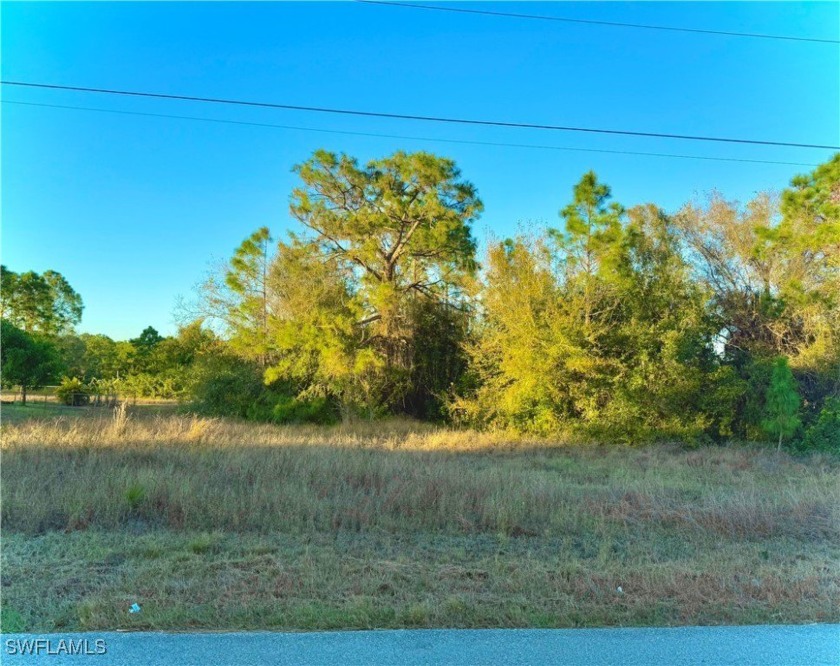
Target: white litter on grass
135, 608
619, 590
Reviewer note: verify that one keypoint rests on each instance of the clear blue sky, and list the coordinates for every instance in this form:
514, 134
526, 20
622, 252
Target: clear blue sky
131, 209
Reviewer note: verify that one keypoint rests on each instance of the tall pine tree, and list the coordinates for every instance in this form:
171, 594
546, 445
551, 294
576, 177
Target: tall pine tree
781, 402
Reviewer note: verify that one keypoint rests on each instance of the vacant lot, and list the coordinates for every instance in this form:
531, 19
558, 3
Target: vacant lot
215, 524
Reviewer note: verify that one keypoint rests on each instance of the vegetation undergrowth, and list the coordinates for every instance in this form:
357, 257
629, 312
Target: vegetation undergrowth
210, 523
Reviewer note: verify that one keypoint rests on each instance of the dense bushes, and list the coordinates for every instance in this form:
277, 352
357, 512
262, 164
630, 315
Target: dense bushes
225, 385
289, 409
73, 392
824, 434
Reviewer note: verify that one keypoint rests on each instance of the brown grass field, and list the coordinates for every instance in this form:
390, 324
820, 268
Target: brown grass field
216, 524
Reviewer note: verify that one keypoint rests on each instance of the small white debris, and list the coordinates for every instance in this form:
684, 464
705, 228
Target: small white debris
135, 608
619, 590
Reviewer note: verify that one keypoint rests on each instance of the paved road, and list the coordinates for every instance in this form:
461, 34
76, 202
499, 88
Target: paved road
805, 645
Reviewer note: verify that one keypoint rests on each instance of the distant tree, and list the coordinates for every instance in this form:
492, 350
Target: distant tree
67, 306
72, 351
28, 361
178, 352
144, 346
101, 358
39, 303
335, 311
96, 356
148, 339
781, 402
125, 358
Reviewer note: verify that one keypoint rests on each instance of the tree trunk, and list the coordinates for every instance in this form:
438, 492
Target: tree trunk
23, 395
780, 442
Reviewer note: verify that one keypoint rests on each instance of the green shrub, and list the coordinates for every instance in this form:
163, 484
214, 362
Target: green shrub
824, 434
226, 386
294, 410
230, 386
73, 392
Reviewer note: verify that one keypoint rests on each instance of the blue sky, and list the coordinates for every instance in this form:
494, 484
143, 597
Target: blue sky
131, 209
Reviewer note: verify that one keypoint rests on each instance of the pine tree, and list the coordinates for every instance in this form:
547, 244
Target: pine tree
782, 402
400, 230
247, 282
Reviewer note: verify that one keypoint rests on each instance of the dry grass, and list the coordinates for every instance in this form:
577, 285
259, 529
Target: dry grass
230, 525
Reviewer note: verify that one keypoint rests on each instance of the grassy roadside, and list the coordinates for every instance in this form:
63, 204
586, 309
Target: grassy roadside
87, 581
212, 524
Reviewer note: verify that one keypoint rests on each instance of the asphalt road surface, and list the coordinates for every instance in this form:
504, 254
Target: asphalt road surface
801, 645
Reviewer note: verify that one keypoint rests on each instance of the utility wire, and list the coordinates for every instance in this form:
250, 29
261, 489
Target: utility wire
410, 138
459, 10
400, 116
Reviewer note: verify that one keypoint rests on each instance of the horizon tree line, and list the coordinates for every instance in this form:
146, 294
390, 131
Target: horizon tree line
621, 324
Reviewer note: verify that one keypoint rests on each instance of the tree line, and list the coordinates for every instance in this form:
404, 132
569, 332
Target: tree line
719, 321
39, 345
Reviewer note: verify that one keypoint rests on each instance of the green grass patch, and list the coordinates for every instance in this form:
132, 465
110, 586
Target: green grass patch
86, 581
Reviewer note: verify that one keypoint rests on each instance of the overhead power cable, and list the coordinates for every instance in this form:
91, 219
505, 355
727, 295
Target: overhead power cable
410, 138
539, 17
401, 116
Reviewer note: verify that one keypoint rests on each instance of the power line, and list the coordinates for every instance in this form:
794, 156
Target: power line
411, 138
400, 116
594, 22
